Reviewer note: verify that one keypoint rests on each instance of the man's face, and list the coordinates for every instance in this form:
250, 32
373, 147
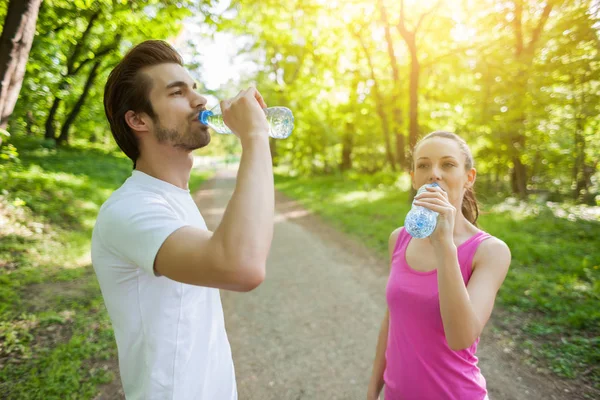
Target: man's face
176, 104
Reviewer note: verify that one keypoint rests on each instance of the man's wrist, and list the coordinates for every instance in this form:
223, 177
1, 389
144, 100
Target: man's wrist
255, 137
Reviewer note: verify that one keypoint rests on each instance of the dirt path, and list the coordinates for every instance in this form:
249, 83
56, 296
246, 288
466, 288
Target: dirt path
309, 331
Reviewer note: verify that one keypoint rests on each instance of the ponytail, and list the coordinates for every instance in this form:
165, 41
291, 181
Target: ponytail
470, 208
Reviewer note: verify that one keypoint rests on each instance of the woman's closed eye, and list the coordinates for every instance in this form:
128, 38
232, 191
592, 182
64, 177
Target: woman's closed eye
177, 93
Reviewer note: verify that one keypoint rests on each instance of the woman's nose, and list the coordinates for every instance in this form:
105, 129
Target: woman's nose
436, 175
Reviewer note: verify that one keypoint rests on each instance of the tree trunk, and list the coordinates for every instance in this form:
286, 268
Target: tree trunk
400, 151
524, 55
410, 38
347, 147
517, 140
64, 133
15, 44
50, 129
413, 95
519, 177
579, 182
397, 117
379, 105
71, 71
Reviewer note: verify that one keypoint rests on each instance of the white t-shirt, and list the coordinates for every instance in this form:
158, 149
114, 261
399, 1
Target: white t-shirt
170, 336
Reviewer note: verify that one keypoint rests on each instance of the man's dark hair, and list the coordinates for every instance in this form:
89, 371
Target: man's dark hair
127, 88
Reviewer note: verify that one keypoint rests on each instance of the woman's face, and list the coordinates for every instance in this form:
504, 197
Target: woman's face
442, 161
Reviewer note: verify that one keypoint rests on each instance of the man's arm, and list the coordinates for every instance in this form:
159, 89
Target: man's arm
235, 255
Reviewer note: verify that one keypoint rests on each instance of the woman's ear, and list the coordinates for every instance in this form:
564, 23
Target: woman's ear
471, 177
136, 121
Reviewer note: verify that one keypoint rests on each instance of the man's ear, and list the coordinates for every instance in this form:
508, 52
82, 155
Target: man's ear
136, 122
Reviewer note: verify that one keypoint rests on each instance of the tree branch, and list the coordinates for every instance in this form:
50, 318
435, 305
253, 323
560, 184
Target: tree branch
425, 14
518, 25
100, 53
389, 42
81, 43
402, 23
537, 32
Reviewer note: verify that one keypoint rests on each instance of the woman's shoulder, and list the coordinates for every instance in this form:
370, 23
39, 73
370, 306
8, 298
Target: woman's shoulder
494, 245
488, 241
393, 239
394, 236
396, 232
492, 250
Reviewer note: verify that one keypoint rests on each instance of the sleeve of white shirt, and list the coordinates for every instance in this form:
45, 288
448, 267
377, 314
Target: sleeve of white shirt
135, 229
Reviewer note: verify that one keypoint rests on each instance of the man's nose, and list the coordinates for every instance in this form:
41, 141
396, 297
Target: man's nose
199, 101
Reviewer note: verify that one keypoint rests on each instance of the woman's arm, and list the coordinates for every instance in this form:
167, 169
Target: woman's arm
376, 383
466, 310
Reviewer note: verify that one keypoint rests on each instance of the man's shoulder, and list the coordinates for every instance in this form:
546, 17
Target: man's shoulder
131, 198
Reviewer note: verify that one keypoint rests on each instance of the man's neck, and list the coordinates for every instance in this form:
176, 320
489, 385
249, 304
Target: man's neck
167, 164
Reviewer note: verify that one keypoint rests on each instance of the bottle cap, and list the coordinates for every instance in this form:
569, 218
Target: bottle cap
204, 116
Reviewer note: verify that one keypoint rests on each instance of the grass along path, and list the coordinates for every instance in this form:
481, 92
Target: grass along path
55, 336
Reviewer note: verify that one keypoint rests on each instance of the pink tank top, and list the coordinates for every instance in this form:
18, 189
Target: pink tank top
419, 363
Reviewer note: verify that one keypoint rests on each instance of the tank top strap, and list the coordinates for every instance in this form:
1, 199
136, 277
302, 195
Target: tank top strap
402, 241
468, 249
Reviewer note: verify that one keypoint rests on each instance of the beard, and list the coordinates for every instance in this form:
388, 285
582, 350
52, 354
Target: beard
192, 138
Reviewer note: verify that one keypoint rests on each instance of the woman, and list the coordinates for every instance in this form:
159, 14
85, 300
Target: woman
441, 289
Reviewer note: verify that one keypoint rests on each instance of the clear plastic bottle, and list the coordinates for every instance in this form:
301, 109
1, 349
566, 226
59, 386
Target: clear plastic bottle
420, 222
281, 121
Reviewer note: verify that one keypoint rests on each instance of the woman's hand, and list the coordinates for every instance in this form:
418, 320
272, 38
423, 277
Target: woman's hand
436, 199
372, 396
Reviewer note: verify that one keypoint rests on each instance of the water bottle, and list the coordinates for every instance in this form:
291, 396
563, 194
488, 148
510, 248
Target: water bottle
420, 222
281, 121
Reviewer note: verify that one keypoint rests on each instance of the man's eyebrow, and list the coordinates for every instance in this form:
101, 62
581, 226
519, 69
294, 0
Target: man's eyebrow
180, 84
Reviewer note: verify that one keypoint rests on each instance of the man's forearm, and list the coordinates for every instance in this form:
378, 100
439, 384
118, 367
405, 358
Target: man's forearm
246, 230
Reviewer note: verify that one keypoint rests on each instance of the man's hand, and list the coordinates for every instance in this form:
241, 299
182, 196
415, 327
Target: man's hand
245, 116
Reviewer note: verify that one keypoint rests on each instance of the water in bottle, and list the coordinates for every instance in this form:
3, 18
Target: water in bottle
281, 121
420, 222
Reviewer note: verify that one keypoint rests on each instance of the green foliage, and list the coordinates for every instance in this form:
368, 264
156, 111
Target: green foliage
333, 65
538, 104
8, 152
71, 37
552, 290
66, 186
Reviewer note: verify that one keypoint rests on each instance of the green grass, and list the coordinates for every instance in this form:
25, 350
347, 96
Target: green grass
55, 335
552, 293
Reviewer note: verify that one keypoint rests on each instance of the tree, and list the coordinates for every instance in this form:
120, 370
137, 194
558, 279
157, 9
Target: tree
15, 44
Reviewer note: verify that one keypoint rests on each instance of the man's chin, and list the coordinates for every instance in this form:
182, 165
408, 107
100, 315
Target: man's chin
202, 139
207, 138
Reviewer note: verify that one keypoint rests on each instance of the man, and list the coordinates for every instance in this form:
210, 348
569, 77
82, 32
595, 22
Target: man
158, 266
